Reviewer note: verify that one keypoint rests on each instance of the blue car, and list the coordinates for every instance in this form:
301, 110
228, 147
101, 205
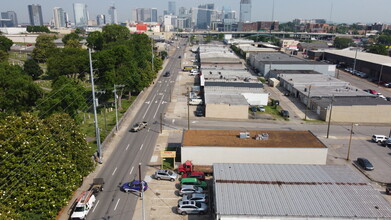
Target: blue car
134, 186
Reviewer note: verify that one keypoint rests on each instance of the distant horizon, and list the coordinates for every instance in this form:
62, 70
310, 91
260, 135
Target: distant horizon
347, 11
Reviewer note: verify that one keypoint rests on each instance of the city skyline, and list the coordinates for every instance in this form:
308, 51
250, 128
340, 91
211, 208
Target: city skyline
284, 10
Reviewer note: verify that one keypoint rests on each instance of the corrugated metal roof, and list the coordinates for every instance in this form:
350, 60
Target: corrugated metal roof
320, 191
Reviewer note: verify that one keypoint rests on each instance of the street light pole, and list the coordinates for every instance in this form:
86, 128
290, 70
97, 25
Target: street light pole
188, 110
350, 140
97, 133
381, 72
355, 60
115, 103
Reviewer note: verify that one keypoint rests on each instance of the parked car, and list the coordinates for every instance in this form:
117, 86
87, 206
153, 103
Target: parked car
196, 102
134, 186
188, 189
378, 138
191, 207
364, 163
372, 91
380, 95
167, 74
261, 108
139, 126
386, 142
253, 108
388, 99
165, 175
198, 197
199, 113
284, 113
199, 175
193, 182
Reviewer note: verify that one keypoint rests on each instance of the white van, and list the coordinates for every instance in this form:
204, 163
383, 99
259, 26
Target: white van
195, 102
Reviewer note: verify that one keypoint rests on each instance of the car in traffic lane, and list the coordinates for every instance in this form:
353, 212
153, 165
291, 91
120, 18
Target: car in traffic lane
134, 186
139, 126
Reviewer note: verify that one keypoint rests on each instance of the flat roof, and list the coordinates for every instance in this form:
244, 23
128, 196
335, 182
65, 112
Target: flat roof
351, 101
230, 138
281, 58
219, 57
227, 74
294, 72
222, 66
220, 97
329, 91
289, 190
312, 79
368, 57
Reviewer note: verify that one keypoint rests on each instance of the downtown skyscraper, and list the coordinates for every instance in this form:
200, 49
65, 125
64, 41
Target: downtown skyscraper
35, 14
245, 11
60, 18
8, 19
81, 14
171, 8
113, 18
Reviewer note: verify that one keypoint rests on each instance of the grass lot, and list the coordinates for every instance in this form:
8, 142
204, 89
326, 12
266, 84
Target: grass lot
106, 121
18, 56
44, 83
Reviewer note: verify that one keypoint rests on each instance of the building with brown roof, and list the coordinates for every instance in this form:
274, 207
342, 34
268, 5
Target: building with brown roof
205, 147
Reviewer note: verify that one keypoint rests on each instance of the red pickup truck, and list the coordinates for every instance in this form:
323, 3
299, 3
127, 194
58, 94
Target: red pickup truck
189, 167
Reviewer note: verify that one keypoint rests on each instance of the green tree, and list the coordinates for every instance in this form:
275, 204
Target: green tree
38, 29
73, 43
42, 162
71, 36
32, 69
44, 47
378, 49
384, 39
5, 43
67, 96
3, 56
115, 32
18, 92
71, 62
95, 40
341, 43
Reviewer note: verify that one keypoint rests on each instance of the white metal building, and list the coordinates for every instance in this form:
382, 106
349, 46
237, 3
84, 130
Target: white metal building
288, 191
205, 147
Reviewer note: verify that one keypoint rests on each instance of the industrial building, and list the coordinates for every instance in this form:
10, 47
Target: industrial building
265, 62
319, 93
374, 65
205, 147
291, 191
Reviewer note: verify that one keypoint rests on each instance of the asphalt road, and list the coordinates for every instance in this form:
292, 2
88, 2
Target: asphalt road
134, 148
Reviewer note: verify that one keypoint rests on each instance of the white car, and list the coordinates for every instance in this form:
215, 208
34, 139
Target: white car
378, 138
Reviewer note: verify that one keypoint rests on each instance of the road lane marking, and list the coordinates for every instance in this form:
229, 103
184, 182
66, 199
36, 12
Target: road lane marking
114, 171
158, 106
95, 206
149, 105
116, 205
131, 170
127, 147
141, 146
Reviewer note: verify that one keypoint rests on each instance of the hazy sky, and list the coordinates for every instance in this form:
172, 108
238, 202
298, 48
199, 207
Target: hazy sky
348, 11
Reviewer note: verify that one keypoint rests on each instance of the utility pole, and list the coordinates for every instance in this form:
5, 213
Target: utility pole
188, 110
331, 111
161, 122
350, 140
115, 103
97, 133
381, 73
308, 102
152, 55
142, 191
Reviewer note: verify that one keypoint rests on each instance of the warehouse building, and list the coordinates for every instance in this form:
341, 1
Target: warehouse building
374, 65
205, 147
319, 93
265, 62
291, 191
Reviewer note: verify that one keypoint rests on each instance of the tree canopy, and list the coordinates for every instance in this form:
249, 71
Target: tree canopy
67, 96
115, 33
18, 92
44, 47
95, 40
38, 29
71, 62
71, 36
341, 43
32, 68
42, 163
5, 43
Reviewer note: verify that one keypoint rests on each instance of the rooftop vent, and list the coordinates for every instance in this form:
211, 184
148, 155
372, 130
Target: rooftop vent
263, 136
244, 135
